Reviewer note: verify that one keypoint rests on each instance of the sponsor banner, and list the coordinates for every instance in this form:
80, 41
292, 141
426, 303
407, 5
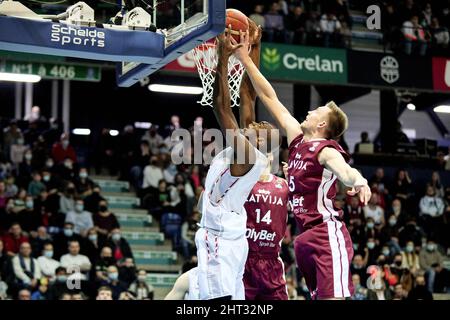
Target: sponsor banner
53, 70
184, 63
441, 74
385, 70
299, 63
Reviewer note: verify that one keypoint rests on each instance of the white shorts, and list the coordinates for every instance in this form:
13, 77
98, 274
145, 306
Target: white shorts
221, 265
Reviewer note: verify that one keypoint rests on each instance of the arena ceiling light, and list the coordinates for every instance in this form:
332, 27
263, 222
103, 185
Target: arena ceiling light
411, 106
19, 77
113, 133
165, 88
81, 132
142, 125
442, 109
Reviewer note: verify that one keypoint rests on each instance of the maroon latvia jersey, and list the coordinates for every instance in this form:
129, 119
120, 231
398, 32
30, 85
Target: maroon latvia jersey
312, 188
266, 209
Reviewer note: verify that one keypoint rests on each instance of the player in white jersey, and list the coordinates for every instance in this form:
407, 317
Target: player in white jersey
186, 287
221, 243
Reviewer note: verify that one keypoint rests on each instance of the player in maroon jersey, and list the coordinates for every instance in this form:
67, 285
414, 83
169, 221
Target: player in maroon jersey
266, 209
323, 248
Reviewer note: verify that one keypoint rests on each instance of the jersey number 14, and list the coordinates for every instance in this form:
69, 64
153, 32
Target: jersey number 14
265, 219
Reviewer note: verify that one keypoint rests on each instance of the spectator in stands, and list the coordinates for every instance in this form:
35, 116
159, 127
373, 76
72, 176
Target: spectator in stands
11, 134
40, 240
104, 293
66, 170
35, 187
91, 201
391, 27
67, 199
399, 292
354, 212
295, 26
330, 27
101, 265
26, 268
76, 262
155, 141
402, 185
83, 183
59, 286
114, 283
139, 163
104, 220
426, 16
274, 24
364, 140
257, 16
373, 251
127, 271
93, 245
51, 182
152, 175
62, 150
62, 239
415, 36
140, 289
377, 289
47, 264
420, 291
374, 211
14, 239
17, 151
195, 177
119, 245
29, 218
42, 292
431, 210
188, 230
65, 296
397, 211
360, 292
410, 258
26, 168
436, 184
410, 232
11, 188
24, 294
358, 267
429, 256
80, 218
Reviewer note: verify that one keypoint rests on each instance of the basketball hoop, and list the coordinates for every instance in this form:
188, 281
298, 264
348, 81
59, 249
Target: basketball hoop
205, 56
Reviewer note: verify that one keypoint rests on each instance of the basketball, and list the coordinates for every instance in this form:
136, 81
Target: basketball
238, 22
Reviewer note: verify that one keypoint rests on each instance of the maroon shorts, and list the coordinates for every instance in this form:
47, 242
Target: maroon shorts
264, 278
324, 254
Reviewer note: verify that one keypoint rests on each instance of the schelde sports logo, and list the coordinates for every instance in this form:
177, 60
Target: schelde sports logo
389, 69
85, 37
271, 59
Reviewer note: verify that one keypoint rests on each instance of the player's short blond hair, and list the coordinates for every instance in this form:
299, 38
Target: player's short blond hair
337, 121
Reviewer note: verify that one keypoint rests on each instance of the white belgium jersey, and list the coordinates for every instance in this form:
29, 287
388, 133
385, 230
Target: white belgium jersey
224, 197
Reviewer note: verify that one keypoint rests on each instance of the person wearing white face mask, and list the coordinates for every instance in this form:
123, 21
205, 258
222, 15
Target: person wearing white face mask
119, 245
81, 219
140, 288
83, 183
114, 282
410, 258
429, 256
46, 262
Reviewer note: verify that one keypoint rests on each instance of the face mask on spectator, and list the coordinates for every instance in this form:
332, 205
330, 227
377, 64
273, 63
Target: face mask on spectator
357, 267
79, 207
83, 175
431, 247
370, 225
48, 253
392, 222
68, 232
61, 278
49, 163
370, 245
409, 248
29, 204
28, 156
398, 263
355, 246
65, 143
385, 252
141, 278
116, 236
20, 141
92, 237
103, 208
113, 276
68, 164
46, 178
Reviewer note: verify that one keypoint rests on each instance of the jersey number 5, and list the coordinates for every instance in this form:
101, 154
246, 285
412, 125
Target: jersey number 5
291, 184
265, 219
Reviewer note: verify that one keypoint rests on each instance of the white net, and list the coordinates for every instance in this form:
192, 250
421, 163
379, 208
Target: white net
205, 56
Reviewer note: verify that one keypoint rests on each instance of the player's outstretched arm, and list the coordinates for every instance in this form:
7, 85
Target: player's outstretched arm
222, 106
267, 94
247, 93
180, 288
335, 162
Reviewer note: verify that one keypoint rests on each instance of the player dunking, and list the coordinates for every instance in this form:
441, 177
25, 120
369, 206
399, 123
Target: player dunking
323, 248
221, 243
266, 209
